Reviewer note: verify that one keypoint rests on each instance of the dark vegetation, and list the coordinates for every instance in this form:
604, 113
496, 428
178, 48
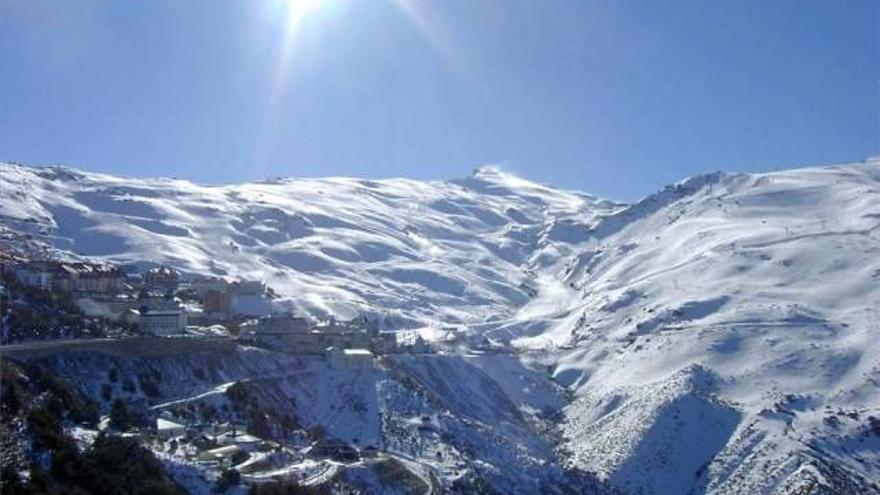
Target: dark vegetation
288, 489
36, 405
123, 418
393, 473
263, 420
113, 465
29, 387
149, 383
229, 478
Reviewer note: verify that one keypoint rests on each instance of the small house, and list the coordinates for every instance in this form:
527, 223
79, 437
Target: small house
349, 359
166, 429
162, 323
221, 455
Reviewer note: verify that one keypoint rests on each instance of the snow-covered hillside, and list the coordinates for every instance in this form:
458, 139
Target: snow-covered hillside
719, 336
410, 253
724, 336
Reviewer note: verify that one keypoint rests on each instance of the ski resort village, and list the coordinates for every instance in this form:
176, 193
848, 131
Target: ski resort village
158, 303
119, 312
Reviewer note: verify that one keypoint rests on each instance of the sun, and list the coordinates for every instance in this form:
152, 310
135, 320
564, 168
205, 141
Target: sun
307, 4
297, 10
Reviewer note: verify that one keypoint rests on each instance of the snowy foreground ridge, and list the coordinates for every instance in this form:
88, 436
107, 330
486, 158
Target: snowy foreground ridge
720, 336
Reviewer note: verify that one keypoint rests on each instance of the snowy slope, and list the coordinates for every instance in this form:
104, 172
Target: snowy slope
412, 253
719, 336
725, 335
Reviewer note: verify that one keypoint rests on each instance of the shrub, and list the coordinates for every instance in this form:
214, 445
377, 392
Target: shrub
128, 385
116, 465
121, 418
106, 392
45, 425
227, 480
199, 373
150, 388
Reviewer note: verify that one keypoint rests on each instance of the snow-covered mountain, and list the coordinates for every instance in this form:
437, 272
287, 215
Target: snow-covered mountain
408, 252
719, 336
724, 336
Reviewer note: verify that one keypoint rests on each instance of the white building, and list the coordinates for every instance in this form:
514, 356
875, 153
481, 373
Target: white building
166, 429
349, 359
280, 324
162, 323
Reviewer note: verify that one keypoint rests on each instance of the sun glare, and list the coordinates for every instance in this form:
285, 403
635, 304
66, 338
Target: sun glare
297, 10
296, 17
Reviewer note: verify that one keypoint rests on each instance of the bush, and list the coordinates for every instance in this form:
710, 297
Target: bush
150, 388
316, 433
79, 408
45, 425
199, 374
11, 393
227, 480
106, 392
240, 457
121, 418
117, 465
239, 395
10, 481
128, 385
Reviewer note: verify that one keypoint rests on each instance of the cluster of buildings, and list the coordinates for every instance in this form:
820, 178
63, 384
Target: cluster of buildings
347, 345
70, 277
110, 292
219, 296
217, 445
213, 448
152, 299
147, 298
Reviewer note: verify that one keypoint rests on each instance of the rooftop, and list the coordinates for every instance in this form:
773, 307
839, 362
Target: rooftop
164, 424
357, 352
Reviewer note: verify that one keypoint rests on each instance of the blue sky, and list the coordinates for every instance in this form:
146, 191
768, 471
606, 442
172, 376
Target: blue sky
616, 98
